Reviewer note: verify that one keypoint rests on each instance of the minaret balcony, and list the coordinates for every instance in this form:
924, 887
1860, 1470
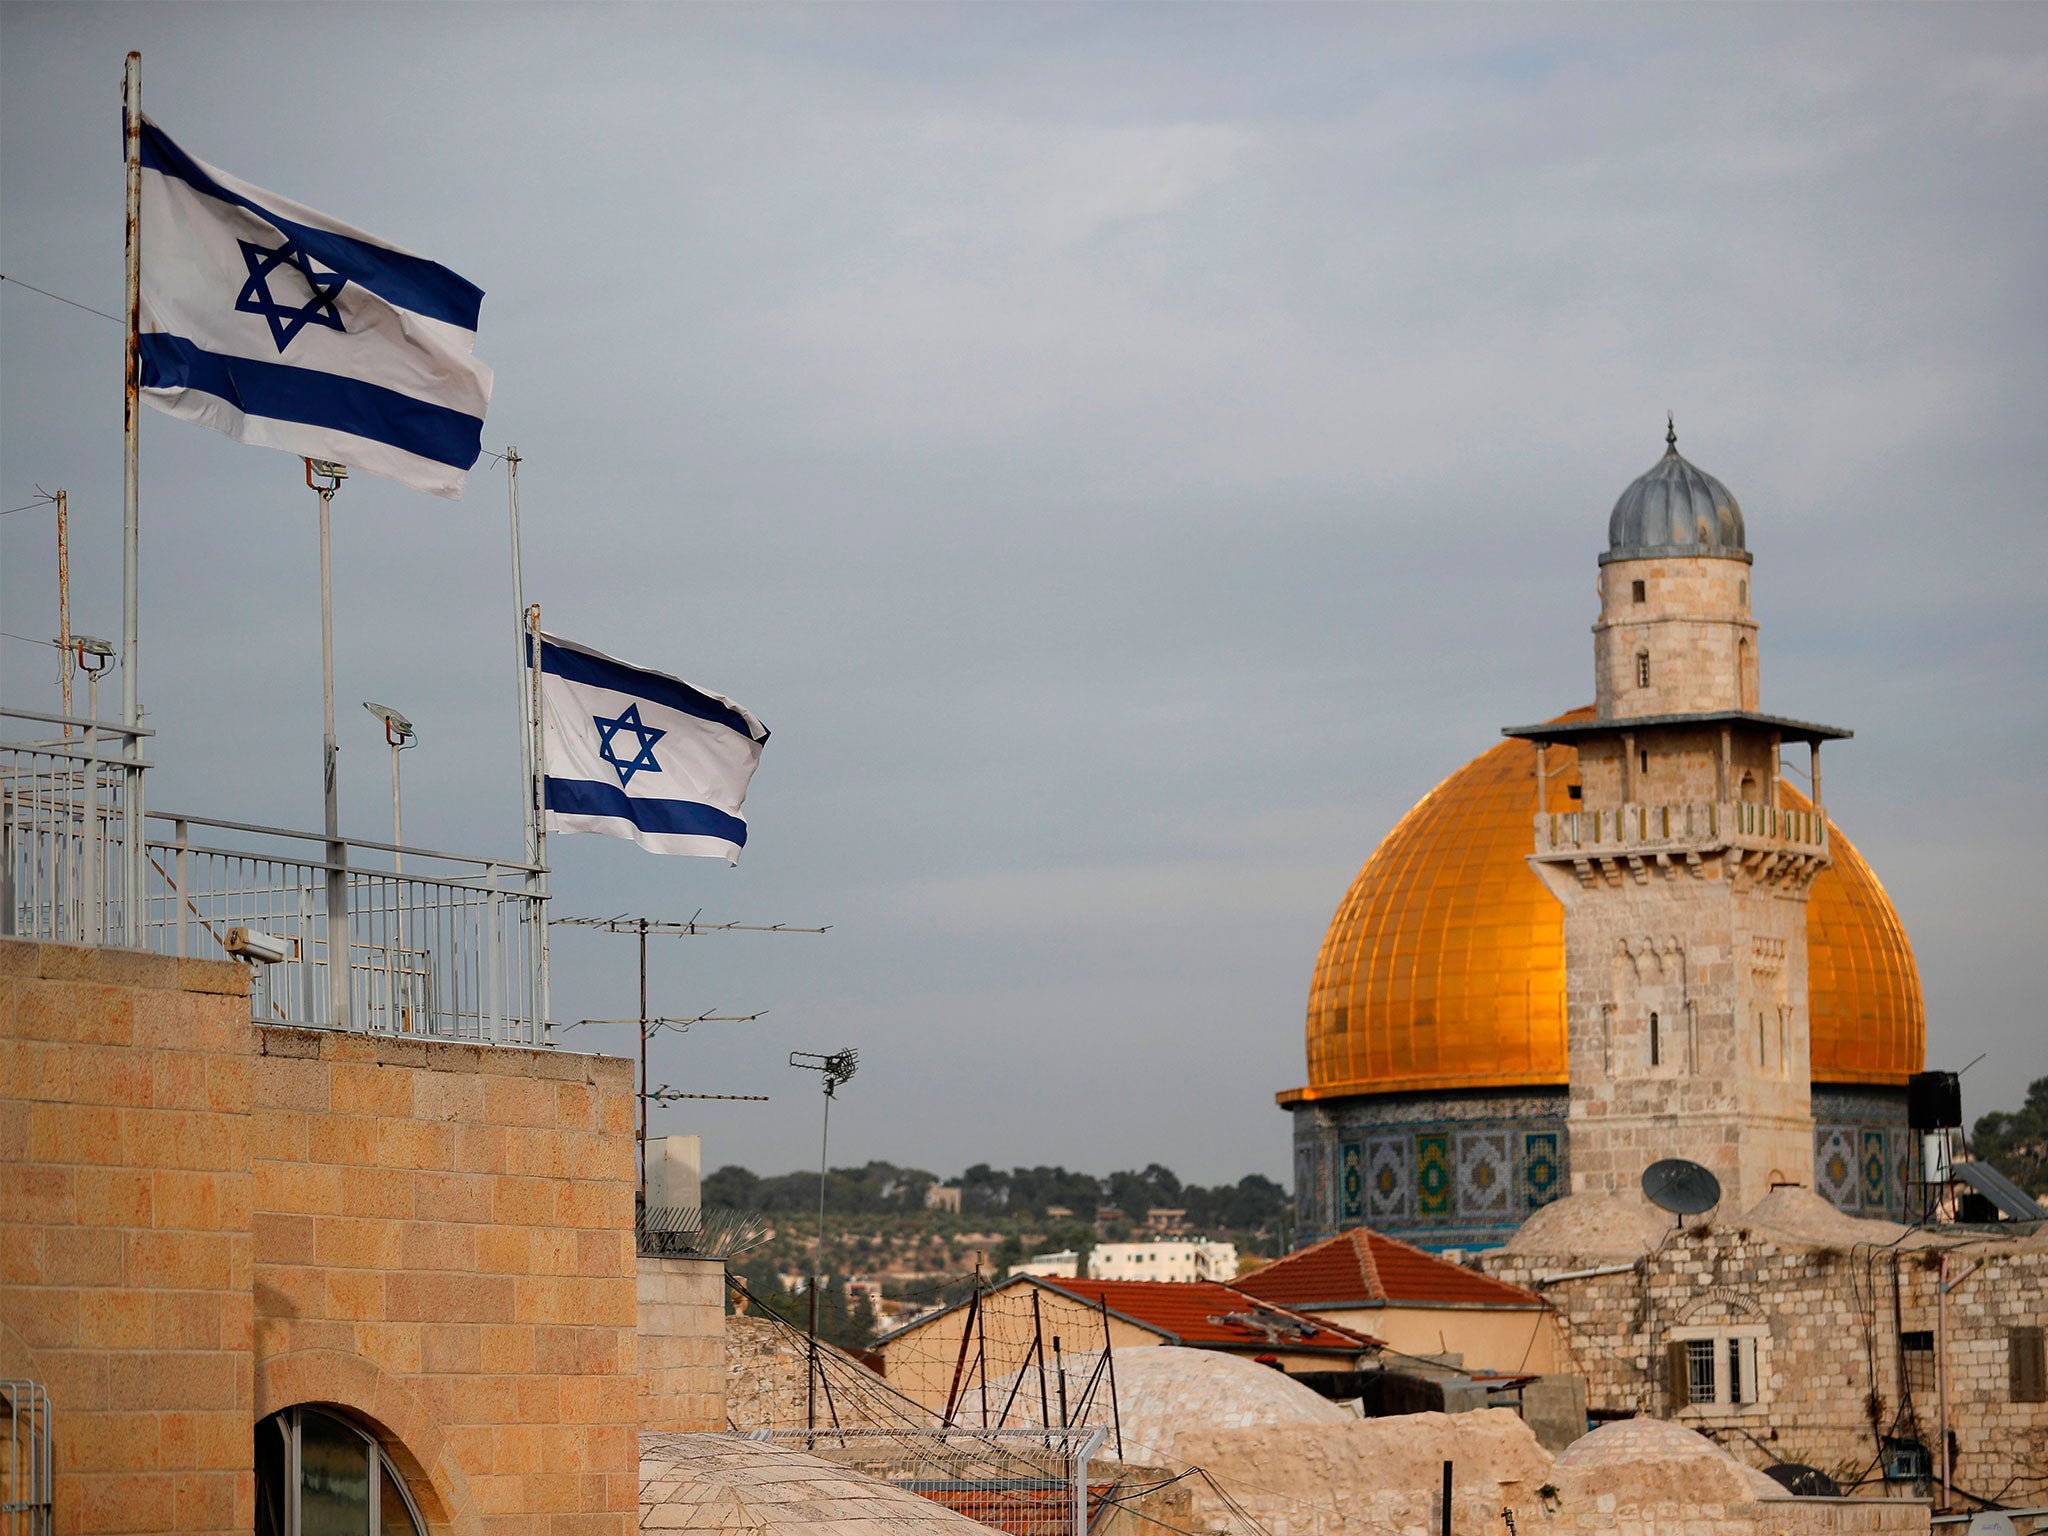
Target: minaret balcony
1704, 840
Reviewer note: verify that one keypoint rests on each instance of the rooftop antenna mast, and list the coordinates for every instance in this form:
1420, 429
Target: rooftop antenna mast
689, 927
837, 1068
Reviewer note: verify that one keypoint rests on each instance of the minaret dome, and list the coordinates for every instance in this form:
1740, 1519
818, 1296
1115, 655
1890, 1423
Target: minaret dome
1676, 508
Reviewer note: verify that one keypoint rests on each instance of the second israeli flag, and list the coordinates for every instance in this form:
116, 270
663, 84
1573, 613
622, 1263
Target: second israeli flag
632, 753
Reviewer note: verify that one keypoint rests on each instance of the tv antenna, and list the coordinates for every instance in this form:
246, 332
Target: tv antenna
1681, 1187
837, 1068
690, 927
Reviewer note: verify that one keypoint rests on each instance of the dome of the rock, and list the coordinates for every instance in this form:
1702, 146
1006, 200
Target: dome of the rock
1444, 966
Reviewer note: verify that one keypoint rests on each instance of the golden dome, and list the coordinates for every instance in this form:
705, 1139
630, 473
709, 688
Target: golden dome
1444, 966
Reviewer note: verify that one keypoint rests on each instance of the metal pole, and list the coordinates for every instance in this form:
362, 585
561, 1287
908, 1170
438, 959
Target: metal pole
337, 852
65, 661
1445, 1523
520, 641
1941, 1370
537, 883
397, 821
131, 522
643, 1057
824, 1141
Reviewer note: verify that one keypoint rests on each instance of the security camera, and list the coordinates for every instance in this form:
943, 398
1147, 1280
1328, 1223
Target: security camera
256, 946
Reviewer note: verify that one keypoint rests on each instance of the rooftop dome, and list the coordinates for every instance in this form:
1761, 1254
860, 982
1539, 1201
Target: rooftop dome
1635, 1442
1444, 966
722, 1483
1677, 508
1163, 1390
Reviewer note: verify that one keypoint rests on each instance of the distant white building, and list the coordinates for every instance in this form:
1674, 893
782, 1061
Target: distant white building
1051, 1266
1178, 1259
942, 1197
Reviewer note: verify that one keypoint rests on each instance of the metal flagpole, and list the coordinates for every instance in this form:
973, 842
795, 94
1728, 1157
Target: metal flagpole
535, 804
519, 643
131, 526
65, 660
339, 1015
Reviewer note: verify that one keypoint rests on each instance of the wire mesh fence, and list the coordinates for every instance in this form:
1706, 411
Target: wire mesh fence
1028, 1482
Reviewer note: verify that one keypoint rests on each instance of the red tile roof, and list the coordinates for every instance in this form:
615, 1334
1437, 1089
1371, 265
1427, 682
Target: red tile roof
1362, 1267
1207, 1314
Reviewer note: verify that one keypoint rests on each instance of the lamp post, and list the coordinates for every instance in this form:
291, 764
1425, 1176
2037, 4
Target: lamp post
94, 657
399, 734
324, 478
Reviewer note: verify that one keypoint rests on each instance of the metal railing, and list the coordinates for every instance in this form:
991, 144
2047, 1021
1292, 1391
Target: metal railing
67, 865
25, 1463
1029, 1482
1633, 826
446, 947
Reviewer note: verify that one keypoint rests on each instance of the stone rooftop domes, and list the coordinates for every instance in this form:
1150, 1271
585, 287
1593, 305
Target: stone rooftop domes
1676, 508
1164, 1389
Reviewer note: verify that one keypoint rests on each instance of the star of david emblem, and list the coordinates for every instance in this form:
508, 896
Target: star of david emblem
644, 736
287, 320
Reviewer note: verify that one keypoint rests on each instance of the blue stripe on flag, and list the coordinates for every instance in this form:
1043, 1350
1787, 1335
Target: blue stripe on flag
411, 282
317, 399
688, 818
669, 692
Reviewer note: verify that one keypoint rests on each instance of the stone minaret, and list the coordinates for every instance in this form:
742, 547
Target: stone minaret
1683, 871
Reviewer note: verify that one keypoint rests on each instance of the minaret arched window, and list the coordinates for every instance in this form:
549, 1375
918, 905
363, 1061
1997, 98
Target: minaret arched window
1642, 669
1656, 1043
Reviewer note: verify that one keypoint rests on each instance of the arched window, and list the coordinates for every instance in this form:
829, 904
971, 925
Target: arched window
318, 1475
1656, 1043
1642, 669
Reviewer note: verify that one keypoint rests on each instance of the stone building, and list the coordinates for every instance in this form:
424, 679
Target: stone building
230, 1249
1614, 933
1794, 1333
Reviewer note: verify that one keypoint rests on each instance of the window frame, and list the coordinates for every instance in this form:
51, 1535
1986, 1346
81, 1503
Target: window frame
377, 1458
1737, 1355
1642, 669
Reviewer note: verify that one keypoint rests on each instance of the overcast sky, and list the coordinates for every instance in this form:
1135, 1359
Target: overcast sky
1126, 454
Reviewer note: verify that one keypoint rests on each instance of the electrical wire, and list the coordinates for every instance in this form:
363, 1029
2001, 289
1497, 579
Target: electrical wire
32, 288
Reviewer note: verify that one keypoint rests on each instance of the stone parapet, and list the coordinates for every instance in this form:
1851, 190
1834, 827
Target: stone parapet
206, 1220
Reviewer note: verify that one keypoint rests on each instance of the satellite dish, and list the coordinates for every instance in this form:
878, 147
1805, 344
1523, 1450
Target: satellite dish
1804, 1481
1991, 1522
1682, 1187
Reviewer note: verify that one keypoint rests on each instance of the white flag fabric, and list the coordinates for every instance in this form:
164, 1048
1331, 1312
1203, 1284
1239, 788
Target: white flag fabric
642, 755
282, 327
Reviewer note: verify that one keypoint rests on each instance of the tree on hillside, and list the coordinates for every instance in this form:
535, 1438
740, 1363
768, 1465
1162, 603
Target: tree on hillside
2017, 1143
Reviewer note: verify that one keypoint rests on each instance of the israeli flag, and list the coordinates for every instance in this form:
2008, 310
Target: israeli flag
639, 754
282, 327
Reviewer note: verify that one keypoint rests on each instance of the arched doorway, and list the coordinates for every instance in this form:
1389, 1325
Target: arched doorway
317, 1474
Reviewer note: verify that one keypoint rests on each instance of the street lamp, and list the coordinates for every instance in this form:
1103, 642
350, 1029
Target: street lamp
399, 733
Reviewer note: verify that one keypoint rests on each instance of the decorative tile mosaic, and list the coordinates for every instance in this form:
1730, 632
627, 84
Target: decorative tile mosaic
1485, 1174
1350, 1183
1388, 1180
1433, 1175
1836, 1177
1542, 1169
1876, 1171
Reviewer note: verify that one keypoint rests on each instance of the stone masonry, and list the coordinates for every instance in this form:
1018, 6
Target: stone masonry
1851, 1339
203, 1221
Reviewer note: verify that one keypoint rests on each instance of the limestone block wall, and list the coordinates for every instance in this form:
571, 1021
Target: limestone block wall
203, 1221
1693, 624
682, 1344
1833, 1360
1722, 1076
448, 1230
125, 1249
